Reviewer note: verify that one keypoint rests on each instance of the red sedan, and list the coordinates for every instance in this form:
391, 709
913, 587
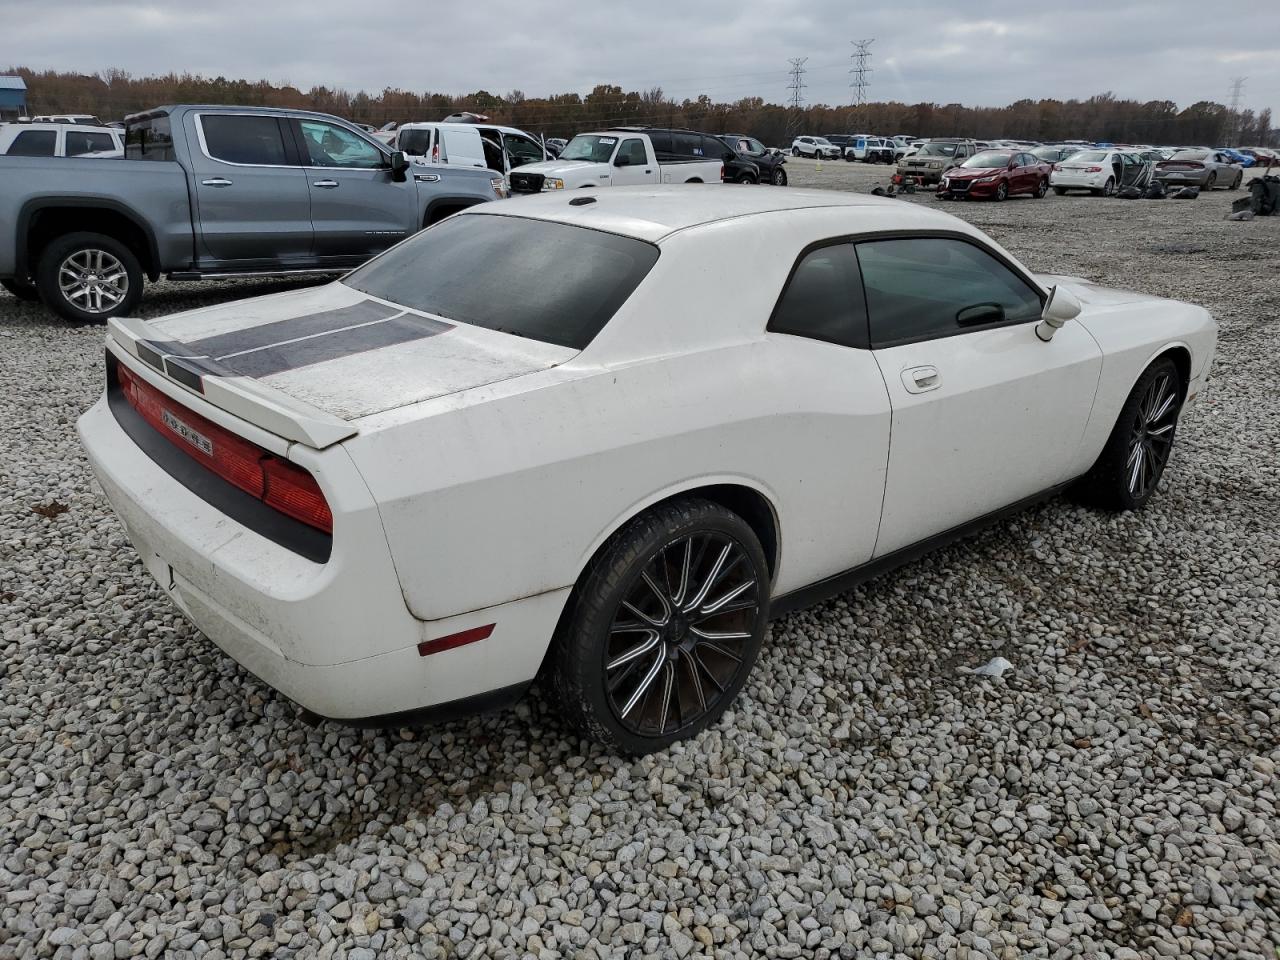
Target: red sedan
996, 174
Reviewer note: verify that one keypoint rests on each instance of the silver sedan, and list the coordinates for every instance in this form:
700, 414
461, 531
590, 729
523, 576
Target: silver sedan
1205, 169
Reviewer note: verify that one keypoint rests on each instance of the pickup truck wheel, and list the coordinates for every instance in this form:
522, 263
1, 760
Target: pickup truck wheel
746, 178
779, 177
88, 277
21, 289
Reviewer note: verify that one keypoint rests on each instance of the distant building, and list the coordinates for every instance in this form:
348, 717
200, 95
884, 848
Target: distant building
13, 98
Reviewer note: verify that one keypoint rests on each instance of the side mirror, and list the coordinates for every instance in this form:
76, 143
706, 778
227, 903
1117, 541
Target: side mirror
622, 160
1058, 309
399, 164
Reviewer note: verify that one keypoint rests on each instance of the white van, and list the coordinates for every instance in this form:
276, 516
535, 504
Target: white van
468, 145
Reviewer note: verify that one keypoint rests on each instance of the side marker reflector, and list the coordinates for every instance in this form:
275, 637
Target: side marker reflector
440, 644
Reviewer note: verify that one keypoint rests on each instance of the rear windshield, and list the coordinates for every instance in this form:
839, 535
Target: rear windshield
546, 281
149, 138
1090, 156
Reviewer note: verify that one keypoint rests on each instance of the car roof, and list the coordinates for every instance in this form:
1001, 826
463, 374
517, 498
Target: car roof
653, 213
54, 125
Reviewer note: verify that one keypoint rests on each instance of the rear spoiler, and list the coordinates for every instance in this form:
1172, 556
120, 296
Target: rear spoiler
243, 397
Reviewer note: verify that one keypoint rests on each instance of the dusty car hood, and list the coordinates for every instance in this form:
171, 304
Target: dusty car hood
345, 353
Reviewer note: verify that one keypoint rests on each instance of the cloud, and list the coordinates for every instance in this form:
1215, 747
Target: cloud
980, 52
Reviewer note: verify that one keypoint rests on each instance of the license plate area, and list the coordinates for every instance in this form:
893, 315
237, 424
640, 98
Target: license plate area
192, 436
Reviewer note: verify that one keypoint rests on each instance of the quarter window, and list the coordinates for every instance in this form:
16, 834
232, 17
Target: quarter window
255, 141
327, 145
925, 287
823, 299
34, 143
149, 137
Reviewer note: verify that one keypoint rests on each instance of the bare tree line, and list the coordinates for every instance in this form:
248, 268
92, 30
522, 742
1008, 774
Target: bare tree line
115, 93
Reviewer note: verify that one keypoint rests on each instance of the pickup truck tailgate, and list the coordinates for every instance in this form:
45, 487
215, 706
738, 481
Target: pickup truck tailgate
305, 364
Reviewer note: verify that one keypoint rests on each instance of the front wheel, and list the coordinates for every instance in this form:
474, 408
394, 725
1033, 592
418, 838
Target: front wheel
1002, 191
663, 628
88, 277
1132, 462
779, 177
21, 289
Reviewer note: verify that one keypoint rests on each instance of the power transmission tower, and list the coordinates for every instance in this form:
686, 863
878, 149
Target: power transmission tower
795, 91
1237, 92
861, 74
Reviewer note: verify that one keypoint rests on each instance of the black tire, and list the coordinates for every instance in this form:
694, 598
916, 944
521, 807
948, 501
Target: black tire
779, 177
1235, 184
795, 152
1111, 483
74, 246
1212, 182
746, 178
1041, 189
21, 289
1002, 191
652, 546
1109, 188
1060, 191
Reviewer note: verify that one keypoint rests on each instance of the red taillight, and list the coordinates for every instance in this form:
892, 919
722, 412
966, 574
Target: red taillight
454, 640
435, 153
264, 476
294, 492
722, 172
1092, 169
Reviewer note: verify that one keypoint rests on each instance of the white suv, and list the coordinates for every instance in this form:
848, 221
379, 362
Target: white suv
57, 139
817, 147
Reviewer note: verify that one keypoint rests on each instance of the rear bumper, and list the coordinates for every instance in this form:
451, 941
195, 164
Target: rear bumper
335, 637
1079, 181
1182, 178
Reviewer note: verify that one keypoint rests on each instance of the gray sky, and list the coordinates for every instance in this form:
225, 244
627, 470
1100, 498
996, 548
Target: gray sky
977, 53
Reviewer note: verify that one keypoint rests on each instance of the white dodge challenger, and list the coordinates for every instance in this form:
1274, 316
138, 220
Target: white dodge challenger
606, 437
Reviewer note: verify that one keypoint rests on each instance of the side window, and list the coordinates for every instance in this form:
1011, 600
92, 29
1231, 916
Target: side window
928, 287
633, 150
34, 143
327, 145
823, 299
79, 143
756, 146
661, 140
713, 148
149, 138
521, 150
686, 146
249, 140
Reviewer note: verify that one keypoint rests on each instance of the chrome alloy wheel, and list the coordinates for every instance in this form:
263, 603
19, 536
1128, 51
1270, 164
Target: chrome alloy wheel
93, 280
677, 640
1152, 436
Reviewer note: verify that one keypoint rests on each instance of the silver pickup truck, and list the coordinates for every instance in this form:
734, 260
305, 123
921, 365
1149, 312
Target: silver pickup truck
215, 191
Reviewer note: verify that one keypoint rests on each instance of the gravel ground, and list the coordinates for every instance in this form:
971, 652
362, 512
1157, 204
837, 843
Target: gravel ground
1113, 795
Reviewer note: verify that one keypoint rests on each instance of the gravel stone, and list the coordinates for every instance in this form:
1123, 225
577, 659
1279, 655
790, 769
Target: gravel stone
1114, 795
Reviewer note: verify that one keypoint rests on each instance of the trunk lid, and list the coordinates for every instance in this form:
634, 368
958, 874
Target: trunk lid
308, 363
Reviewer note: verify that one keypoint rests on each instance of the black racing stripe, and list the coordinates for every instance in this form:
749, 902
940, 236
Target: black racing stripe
344, 343
269, 334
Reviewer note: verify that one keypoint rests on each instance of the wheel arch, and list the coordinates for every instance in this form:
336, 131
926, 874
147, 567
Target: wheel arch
1180, 353
440, 207
42, 221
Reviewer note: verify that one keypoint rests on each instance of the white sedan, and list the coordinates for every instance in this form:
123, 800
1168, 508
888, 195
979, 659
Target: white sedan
609, 436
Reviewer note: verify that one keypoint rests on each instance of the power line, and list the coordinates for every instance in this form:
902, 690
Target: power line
795, 92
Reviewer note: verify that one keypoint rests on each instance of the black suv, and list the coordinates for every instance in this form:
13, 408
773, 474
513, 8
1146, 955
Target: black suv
768, 163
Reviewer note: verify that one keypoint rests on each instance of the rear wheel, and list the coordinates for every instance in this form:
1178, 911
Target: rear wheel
1041, 189
779, 177
1109, 188
1235, 184
795, 152
746, 178
88, 277
21, 289
1132, 462
1212, 181
664, 627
